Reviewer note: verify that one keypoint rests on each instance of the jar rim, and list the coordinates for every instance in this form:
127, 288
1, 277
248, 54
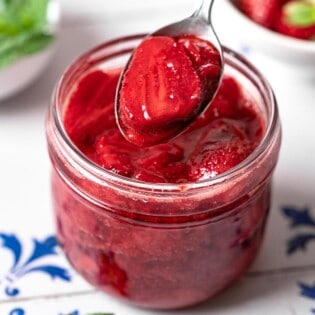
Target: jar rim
101, 174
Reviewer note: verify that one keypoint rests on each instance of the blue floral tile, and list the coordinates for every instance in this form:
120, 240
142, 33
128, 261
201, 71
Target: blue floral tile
33, 263
308, 291
302, 222
33, 267
299, 218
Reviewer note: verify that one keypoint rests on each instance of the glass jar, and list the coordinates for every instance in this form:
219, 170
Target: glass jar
160, 246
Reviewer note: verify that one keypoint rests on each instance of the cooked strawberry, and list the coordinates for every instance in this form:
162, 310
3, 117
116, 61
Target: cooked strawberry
228, 146
90, 103
111, 157
226, 103
263, 12
204, 57
163, 161
106, 271
164, 88
160, 86
297, 19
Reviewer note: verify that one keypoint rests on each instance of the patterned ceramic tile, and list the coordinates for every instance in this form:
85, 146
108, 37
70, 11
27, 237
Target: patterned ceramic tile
34, 267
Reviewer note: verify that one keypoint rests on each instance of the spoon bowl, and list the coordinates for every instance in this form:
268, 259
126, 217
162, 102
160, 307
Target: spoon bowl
170, 79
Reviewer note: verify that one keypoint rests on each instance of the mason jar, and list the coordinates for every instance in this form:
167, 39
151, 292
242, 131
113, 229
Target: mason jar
160, 246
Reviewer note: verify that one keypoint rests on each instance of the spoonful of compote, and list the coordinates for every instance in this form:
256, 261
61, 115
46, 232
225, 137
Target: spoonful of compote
170, 79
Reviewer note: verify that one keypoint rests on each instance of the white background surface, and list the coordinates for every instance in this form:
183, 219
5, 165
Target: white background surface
272, 284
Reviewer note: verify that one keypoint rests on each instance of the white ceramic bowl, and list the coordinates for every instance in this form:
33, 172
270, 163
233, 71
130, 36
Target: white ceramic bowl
295, 53
21, 73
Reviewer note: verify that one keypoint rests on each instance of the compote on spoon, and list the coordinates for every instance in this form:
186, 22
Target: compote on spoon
170, 79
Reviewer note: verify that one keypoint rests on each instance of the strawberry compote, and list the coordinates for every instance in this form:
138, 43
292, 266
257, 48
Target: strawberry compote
170, 225
217, 141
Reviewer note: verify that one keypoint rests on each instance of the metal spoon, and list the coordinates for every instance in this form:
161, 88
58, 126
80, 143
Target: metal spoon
199, 25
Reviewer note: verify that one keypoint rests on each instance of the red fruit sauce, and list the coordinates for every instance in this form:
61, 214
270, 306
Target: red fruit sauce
167, 84
143, 267
184, 240
217, 141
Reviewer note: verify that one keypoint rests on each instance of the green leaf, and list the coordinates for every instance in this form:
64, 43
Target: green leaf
36, 43
7, 28
8, 43
32, 13
300, 13
23, 29
24, 44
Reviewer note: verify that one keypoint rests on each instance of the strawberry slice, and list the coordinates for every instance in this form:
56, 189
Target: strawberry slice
297, 19
162, 90
203, 55
228, 147
160, 87
263, 12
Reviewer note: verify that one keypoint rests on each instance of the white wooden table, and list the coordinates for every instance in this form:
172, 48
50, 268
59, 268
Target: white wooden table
282, 280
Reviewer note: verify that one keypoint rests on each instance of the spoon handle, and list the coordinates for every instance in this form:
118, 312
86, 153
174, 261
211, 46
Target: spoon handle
204, 10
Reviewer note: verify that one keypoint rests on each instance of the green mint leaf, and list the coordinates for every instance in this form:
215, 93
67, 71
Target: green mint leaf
23, 29
8, 43
7, 28
24, 44
301, 14
36, 43
32, 13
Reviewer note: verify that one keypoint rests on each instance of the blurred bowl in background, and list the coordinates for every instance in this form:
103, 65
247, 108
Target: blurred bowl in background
21, 73
296, 54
